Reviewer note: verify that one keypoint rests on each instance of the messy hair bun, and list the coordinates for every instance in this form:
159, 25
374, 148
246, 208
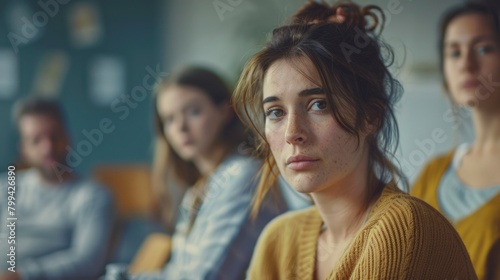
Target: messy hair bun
355, 16
352, 64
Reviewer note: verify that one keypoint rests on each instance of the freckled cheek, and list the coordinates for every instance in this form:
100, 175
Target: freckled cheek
341, 146
275, 139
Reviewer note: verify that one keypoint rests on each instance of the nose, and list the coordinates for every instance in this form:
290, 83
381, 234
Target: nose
180, 123
184, 124
468, 61
296, 130
48, 145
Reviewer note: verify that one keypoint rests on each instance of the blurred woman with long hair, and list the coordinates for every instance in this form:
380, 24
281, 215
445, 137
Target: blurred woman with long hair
464, 184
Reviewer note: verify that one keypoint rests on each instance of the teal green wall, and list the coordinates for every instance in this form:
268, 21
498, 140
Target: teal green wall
132, 32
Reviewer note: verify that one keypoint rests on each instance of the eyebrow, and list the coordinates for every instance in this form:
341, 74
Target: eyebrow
474, 40
305, 92
188, 105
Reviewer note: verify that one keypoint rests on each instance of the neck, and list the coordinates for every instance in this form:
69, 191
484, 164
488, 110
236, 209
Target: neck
51, 178
207, 162
487, 128
343, 206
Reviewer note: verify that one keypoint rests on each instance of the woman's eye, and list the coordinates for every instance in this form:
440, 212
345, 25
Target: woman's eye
454, 53
274, 114
194, 111
485, 49
35, 140
319, 105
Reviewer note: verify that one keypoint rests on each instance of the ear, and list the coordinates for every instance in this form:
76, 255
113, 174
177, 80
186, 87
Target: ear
371, 127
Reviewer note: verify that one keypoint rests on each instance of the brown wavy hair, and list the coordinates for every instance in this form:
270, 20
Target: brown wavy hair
352, 63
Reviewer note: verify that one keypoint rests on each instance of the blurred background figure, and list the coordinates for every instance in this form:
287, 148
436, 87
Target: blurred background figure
64, 221
101, 63
464, 184
93, 57
199, 140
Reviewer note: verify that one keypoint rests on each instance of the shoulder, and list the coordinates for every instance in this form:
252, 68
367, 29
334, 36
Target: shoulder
24, 178
19, 175
411, 218
3, 181
438, 163
397, 205
431, 174
236, 172
238, 165
88, 191
411, 235
406, 229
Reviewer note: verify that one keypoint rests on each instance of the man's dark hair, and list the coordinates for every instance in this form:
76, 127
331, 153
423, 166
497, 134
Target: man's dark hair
37, 106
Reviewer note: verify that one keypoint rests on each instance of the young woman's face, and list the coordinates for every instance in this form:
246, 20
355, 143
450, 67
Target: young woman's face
192, 123
311, 150
472, 61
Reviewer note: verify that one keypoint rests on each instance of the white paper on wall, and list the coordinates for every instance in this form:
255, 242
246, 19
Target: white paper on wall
107, 79
9, 74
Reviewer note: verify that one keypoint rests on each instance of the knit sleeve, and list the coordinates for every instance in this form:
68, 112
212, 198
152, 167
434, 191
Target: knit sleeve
265, 259
493, 269
423, 243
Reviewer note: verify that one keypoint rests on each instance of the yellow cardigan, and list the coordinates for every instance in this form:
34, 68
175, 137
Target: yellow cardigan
403, 238
480, 231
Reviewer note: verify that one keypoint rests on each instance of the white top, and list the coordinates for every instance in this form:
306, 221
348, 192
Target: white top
456, 199
62, 231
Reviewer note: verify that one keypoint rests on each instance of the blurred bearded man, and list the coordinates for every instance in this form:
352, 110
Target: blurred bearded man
63, 221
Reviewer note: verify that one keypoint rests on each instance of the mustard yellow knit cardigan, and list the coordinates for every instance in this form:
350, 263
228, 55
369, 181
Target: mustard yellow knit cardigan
403, 238
479, 231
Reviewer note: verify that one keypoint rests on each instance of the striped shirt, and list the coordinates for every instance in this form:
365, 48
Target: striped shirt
222, 239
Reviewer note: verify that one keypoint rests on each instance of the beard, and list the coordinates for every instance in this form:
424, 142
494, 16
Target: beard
55, 171
48, 172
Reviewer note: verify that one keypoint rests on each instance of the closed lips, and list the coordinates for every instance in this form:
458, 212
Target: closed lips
299, 158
